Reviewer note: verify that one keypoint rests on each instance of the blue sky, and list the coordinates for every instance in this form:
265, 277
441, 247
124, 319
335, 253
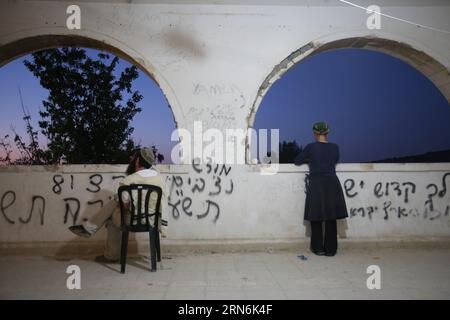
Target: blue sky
153, 126
377, 106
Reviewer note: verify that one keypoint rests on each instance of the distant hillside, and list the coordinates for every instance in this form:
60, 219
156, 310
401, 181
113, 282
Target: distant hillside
436, 156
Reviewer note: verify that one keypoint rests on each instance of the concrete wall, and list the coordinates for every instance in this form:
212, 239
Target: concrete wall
385, 202
214, 63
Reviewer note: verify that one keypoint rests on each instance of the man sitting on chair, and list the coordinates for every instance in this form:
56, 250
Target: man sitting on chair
140, 171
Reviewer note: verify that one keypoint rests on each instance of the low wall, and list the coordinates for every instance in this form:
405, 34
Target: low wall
224, 204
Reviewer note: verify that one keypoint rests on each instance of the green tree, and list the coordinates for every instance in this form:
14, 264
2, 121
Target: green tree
85, 116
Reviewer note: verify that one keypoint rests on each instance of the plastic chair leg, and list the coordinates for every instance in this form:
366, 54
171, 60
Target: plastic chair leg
123, 251
153, 249
158, 246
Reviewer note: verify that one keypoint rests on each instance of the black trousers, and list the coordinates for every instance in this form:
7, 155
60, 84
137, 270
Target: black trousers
319, 242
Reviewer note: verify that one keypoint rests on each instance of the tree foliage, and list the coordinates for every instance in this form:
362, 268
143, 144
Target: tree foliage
85, 117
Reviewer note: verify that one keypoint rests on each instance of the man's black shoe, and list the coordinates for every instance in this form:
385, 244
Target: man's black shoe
79, 230
319, 253
330, 254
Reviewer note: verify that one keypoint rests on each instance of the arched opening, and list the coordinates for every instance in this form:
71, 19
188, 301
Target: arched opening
407, 95
152, 126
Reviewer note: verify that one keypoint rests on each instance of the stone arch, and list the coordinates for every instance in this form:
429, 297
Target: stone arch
25, 45
435, 71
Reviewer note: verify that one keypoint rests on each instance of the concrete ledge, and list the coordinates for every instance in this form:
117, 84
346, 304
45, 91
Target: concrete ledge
185, 168
88, 168
95, 247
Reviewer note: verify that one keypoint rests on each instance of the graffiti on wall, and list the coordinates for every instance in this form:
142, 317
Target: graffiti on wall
60, 185
197, 195
207, 187
217, 104
202, 194
393, 199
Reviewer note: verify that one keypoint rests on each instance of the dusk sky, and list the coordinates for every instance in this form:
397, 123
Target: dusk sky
377, 106
153, 125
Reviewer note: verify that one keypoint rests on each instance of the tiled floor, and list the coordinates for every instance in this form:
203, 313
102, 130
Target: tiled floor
405, 274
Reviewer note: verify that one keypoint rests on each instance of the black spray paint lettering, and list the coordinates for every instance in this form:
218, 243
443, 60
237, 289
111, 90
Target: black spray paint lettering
3, 206
230, 191
177, 181
95, 202
400, 211
363, 211
70, 211
95, 180
197, 187
403, 190
196, 165
443, 192
396, 186
210, 203
58, 180
41, 210
371, 210
218, 187
377, 190
186, 205
413, 190
387, 205
430, 196
209, 166
398, 189
175, 211
435, 214
224, 168
349, 184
